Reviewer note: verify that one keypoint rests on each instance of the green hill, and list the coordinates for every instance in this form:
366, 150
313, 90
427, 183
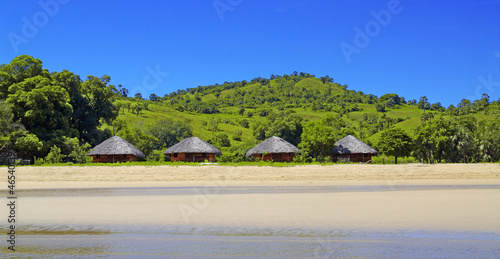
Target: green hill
58, 115
230, 105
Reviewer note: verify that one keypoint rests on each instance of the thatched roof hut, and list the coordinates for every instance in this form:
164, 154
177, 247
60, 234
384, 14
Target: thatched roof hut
192, 149
352, 149
276, 148
115, 149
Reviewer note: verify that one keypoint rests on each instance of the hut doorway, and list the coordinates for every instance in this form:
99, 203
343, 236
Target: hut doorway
190, 157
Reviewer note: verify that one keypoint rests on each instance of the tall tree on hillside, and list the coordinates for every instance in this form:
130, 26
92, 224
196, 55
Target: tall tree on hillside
395, 142
423, 103
464, 106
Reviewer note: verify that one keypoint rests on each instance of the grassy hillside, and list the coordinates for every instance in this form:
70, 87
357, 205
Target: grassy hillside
306, 96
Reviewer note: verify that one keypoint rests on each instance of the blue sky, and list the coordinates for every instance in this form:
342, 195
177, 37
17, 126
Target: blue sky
445, 50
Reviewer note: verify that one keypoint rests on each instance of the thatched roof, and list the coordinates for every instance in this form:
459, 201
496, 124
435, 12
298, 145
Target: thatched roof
273, 145
352, 145
116, 146
192, 145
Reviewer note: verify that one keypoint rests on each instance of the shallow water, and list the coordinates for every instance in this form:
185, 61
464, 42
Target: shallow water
238, 190
148, 241
62, 237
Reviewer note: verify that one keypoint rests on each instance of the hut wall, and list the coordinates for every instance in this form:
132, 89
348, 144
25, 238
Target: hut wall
358, 158
276, 157
113, 158
192, 157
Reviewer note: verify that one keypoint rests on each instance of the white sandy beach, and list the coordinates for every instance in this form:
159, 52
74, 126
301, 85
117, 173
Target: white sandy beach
213, 175
440, 208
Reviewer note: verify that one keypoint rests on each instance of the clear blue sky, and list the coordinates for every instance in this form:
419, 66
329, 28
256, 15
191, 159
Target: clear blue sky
445, 50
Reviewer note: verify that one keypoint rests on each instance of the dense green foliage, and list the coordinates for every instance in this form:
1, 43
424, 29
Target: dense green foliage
58, 116
395, 142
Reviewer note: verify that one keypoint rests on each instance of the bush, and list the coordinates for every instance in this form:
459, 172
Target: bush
390, 160
156, 156
39, 161
54, 155
237, 135
245, 124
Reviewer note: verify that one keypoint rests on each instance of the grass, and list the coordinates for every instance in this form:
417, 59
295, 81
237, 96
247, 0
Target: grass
375, 160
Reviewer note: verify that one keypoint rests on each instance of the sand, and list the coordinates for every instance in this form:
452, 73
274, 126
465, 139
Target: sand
310, 175
440, 208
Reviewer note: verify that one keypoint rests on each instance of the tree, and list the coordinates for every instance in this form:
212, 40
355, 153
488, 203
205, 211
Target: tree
220, 140
72, 149
318, 139
138, 137
380, 107
241, 111
395, 142
168, 132
122, 91
54, 155
237, 135
136, 108
42, 106
423, 103
8, 127
282, 124
436, 106
390, 100
19, 69
28, 146
153, 97
100, 97
464, 106
488, 141
432, 139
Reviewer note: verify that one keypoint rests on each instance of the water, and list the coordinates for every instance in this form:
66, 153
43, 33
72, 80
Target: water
144, 242
65, 238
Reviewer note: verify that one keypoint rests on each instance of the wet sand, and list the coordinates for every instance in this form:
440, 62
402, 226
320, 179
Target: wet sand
476, 210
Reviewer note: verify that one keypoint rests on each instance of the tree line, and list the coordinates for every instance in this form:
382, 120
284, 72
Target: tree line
59, 117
